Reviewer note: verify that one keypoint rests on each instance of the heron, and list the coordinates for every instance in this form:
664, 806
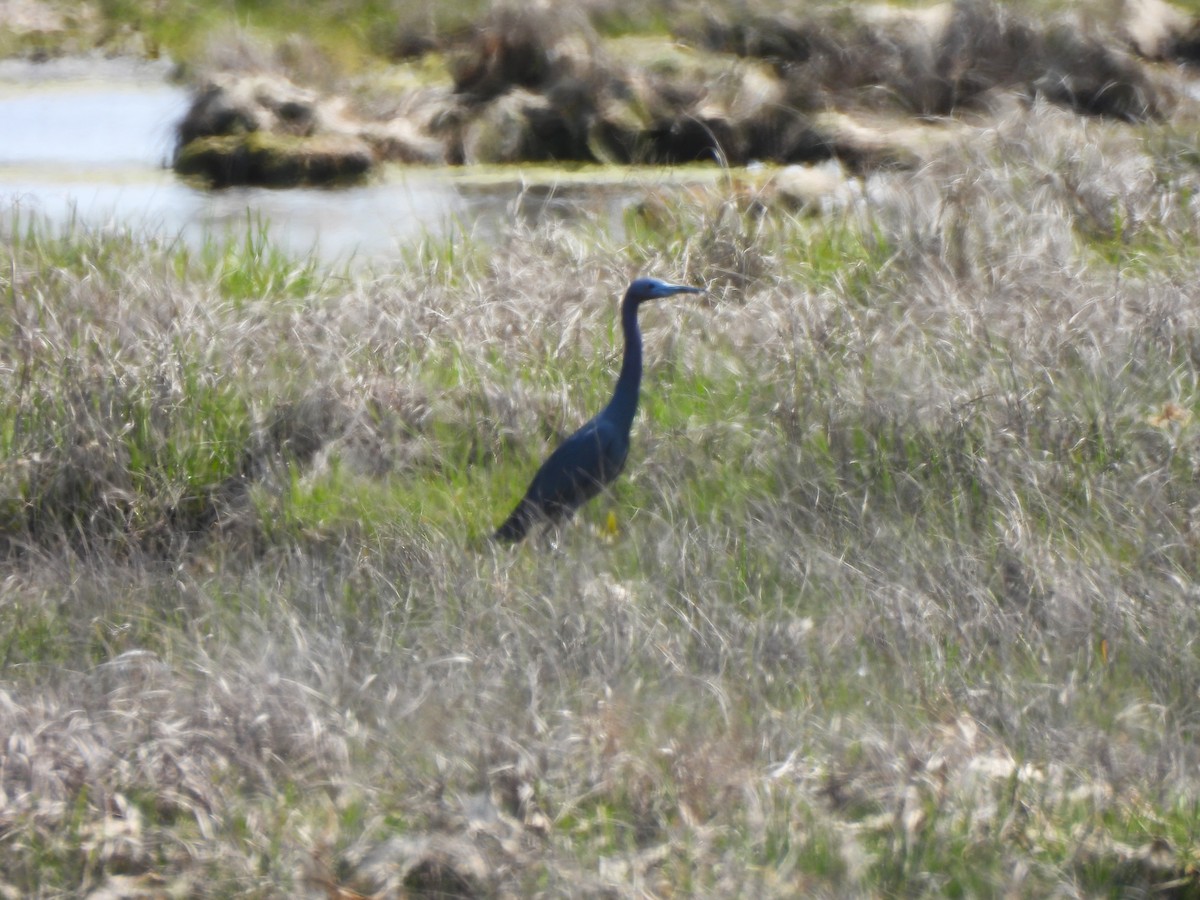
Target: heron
589, 460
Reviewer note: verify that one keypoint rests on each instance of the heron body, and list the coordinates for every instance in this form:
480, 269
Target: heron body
593, 456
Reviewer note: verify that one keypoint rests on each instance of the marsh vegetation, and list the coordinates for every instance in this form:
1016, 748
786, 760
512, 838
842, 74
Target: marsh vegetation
896, 597
900, 597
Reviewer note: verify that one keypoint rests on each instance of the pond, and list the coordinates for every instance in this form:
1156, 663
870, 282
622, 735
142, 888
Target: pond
88, 142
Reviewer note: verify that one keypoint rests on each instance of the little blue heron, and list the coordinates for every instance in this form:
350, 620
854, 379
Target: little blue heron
595, 454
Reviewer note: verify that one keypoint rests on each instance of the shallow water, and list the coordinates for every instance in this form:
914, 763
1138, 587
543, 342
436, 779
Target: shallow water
88, 142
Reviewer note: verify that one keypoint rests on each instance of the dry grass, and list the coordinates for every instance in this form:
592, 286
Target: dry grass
900, 601
936, 60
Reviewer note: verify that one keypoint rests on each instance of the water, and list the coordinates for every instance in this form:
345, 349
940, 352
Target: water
89, 141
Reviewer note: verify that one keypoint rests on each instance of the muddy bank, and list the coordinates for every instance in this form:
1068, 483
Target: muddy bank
870, 86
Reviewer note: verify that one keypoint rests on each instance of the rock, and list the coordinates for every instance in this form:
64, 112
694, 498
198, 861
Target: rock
702, 136
1157, 30
30, 17
262, 129
535, 83
786, 136
1081, 72
868, 142
769, 126
522, 126
812, 188
275, 160
937, 60
532, 47
403, 142
229, 104
782, 39
529, 84
216, 111
755, 89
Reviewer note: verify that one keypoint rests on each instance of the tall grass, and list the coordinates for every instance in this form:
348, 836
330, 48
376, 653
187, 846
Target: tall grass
899, 597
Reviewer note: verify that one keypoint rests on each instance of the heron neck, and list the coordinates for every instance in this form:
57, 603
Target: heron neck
624, 401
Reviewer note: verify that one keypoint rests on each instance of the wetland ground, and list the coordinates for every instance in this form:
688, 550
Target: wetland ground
897, 597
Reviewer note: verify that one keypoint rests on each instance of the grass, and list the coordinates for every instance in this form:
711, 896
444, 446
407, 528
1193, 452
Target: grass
356, 36
895, 597
350, 35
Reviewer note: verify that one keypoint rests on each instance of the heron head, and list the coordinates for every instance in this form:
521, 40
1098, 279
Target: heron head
653, 288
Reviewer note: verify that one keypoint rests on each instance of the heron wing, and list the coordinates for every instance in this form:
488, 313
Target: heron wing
580, 467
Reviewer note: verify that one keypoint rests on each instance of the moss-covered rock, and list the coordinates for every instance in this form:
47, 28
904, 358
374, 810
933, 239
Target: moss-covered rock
259, 128
275, 160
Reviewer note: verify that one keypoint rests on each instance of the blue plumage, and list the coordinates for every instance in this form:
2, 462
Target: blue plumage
593, 456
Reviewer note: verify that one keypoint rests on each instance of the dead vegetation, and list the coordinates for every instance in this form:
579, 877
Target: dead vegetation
896, 599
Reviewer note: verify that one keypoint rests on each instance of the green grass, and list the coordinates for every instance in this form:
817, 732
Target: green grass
348, 35
351, 35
